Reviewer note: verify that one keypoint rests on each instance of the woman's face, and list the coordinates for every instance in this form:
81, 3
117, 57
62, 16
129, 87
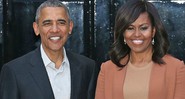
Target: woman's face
139, 34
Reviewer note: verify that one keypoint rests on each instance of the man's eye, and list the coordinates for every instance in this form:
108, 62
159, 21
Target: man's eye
46, 24
62, 22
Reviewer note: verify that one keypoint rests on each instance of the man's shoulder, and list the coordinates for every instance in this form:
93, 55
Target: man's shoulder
76, 56
22, 60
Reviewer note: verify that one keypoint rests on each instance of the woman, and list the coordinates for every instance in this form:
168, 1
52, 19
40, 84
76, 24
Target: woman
140, 67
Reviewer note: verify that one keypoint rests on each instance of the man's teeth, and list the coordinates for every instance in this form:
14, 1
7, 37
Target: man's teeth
55, 38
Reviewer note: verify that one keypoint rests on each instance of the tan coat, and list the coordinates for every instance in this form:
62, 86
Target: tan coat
167, 81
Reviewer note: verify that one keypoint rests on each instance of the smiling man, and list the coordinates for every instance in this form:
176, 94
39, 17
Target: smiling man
50, 71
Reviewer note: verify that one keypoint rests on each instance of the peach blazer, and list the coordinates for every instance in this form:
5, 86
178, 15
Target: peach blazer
167, 81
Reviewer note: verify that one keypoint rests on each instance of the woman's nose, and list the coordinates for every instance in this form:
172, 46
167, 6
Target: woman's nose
137, 32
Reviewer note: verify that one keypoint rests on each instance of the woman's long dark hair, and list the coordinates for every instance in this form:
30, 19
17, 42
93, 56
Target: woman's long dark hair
126, 15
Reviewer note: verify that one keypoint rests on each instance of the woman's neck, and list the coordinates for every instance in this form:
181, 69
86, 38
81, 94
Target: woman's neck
141, 59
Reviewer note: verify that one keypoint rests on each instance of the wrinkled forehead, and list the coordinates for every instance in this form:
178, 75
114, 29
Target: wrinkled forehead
53, 14
51, 4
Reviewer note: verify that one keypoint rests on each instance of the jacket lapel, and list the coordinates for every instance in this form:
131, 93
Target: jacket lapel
157, 82
118, 83
76, 75
40, 76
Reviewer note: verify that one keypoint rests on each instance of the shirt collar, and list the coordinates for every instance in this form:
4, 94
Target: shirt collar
46, 59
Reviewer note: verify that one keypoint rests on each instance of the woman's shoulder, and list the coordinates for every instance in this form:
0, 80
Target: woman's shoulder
171, 61
109, 65
174, 67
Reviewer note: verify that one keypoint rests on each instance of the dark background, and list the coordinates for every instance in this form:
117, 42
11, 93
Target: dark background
93, 27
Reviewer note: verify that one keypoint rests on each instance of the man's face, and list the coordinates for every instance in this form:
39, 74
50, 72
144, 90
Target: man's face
53, 27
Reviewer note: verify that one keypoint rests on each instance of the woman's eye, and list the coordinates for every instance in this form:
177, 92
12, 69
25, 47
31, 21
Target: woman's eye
130, 28
144, 28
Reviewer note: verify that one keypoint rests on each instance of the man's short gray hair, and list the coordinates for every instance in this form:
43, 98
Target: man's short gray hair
51, 3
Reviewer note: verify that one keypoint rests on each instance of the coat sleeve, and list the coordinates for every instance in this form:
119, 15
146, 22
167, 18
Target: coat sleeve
8, 85
100, 89
180, 83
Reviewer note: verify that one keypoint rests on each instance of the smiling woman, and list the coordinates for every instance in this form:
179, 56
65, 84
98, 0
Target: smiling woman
139, 65
139, 34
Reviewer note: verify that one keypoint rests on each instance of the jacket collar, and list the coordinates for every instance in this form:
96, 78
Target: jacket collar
39, 74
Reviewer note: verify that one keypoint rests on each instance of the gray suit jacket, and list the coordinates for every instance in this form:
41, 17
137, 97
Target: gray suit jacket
26, 78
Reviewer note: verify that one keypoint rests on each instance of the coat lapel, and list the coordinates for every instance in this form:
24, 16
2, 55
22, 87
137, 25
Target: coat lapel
157, 82
76, 75
119, 76
40, 76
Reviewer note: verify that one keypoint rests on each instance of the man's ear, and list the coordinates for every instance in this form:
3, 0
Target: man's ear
35, 27
71, 27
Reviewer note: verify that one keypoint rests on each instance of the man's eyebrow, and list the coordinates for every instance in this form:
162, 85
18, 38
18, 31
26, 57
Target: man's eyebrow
48, 20
63, 20
45, 21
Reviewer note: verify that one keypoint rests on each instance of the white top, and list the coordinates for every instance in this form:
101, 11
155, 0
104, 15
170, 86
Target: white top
60, 79
136, 85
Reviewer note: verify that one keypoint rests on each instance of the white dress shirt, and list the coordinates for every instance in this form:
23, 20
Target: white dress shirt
60, 79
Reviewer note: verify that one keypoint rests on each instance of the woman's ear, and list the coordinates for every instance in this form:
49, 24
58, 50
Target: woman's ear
35, 27
153, 32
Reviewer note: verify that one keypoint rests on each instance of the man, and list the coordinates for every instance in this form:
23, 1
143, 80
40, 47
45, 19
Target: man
50, 72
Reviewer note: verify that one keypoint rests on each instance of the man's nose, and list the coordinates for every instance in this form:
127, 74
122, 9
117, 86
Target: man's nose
55, 28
